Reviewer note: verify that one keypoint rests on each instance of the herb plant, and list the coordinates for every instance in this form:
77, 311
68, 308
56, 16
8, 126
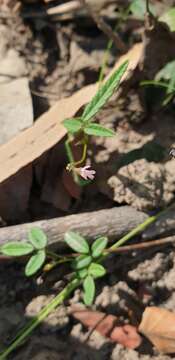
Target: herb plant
82, 127
85, 266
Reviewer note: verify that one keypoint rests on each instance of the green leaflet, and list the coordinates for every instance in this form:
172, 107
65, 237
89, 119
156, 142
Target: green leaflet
35, 263
98, 246
89, 290
73, 125
15, 248
104, 93
81, 262
38, 238
76, 242
169, 18
138, 8
96, 270
98, 130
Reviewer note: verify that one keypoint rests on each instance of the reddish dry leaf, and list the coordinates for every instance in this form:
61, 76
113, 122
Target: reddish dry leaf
126, 335
158, 325
72, 188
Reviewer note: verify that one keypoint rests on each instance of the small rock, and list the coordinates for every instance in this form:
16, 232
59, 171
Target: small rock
12, 65
16, 111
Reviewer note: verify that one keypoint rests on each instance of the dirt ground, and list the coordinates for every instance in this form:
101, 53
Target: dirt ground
62, 57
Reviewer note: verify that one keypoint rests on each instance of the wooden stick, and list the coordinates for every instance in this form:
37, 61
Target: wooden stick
144, 245
112, 223
64, 8
103, 26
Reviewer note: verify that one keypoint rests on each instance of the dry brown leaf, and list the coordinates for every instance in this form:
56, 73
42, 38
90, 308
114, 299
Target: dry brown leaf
48, 129
125, 335
158, 325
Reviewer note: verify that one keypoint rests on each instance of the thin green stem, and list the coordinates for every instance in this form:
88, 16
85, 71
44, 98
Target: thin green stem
122, 17
135, 231
52, 255
70, 156
147, 7
156, 83
83, 158
104, 62
40, 317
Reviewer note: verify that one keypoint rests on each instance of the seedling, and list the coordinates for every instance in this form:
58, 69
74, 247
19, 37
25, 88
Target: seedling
82, 127
86, 264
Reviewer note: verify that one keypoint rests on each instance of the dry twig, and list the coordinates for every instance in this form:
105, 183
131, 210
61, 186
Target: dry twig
103, 26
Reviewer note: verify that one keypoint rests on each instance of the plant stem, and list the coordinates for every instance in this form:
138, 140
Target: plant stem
83, 155
135, 231
104, 63
147, 7
41, 316
53, 256
70, 156
143, 245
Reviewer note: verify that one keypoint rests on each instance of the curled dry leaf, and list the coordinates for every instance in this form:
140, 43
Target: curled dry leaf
158, 325
125, 335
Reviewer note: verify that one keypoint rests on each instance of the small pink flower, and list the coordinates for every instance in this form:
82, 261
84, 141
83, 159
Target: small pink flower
86, 173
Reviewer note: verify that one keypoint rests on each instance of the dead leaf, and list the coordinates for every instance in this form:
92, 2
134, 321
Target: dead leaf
14, 195
72, 188
48, 129
158, 325
125, 335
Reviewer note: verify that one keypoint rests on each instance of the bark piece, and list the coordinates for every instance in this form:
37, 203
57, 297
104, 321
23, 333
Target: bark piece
112, 223
16, 110
165, 225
